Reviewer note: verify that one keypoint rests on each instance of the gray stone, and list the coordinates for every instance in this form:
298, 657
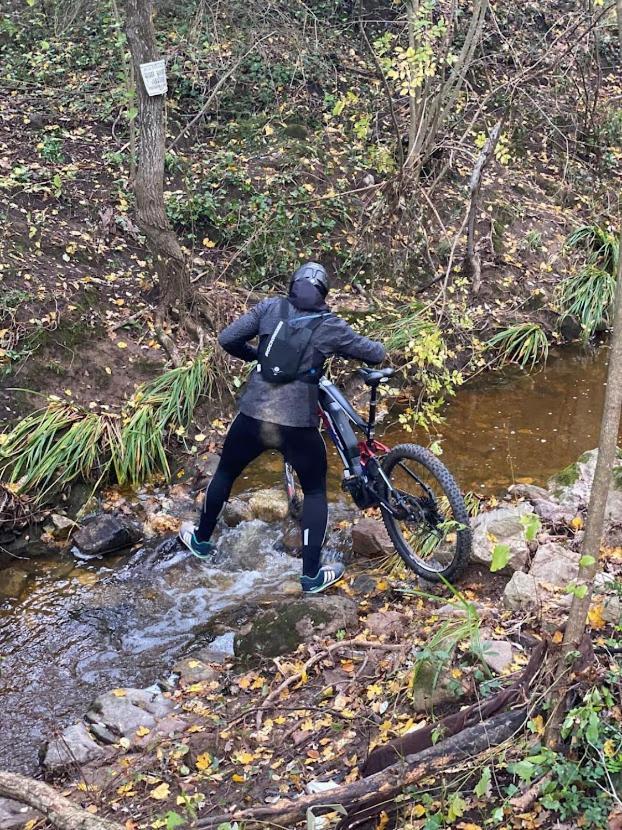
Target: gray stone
280, 629
555, 565
386, 623
612, 610
573, 484
521, 593
528, 491
123, 711
269, 505
12, 582
501, 526
497, 654
75, 746
370, 538
192, 670
14, 815
63, 525
105, 534
235, 512
552, 512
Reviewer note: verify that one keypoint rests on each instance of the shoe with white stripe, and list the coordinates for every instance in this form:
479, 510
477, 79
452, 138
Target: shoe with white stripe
202, 550
325, 577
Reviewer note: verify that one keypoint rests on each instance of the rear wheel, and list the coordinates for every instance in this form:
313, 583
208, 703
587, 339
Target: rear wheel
429, 523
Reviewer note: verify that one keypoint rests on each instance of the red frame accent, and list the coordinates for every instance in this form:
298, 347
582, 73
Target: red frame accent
368, 449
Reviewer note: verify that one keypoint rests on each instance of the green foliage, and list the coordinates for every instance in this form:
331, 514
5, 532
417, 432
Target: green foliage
55, 446
500, 557
524, 344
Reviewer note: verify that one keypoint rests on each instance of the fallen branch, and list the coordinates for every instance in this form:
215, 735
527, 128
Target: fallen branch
386, 785
58, 810
294, 678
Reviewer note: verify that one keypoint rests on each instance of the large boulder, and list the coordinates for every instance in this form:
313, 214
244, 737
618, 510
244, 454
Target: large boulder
74, 747
555, 565
501, 526
280, 629
104, 534
269, 505
118, 714
235, 512
497, 654
370, 538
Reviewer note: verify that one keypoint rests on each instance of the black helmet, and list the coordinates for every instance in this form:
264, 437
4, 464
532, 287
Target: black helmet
314, 273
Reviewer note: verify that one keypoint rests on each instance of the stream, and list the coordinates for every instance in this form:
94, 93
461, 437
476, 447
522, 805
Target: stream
79, 629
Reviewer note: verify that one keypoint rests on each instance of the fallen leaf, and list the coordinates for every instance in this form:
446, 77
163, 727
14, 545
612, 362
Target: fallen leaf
161, 792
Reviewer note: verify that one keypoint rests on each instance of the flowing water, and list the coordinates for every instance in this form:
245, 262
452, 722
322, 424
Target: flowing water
82, 628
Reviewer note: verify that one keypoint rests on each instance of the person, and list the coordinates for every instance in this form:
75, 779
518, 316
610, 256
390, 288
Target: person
284, 416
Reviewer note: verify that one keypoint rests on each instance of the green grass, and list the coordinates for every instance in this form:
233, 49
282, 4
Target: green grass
524, 344
588, 294
404, 325
57, 445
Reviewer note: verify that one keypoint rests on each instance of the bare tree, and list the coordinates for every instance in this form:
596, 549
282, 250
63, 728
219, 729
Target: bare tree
607, 446
168, 257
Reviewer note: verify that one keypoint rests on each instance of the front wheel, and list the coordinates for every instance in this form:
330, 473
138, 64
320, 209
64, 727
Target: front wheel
428, 522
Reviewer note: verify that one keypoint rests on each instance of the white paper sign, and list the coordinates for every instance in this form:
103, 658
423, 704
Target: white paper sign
154, 76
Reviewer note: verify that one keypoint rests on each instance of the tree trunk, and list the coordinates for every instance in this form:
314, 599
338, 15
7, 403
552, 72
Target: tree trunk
57, 809
607, 446
619, 13
168, 257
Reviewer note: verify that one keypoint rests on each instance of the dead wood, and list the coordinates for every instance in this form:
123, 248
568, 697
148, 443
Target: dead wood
58, 810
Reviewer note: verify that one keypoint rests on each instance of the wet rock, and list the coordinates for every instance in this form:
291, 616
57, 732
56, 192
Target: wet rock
555, 565
203, 470
363, 585
105, 534
386, 623
75, 746
370, 538
14, 815
12, 583
292, 540
280, 629
123, 711
521, 593
62, 525
192, 670
570, 328
431, 689
269, 505
235, 512
501, 526
497, 654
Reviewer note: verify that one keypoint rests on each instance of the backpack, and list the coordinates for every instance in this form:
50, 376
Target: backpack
282, 352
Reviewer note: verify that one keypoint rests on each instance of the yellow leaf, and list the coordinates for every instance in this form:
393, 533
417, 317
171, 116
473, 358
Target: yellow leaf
239, 779
126, 789
576, 523
537, 724
161, 792
243, 757
122, 344
609, 748
200, 437
142, 731
468, 825
595, 617
417, 811
557, 637
204, 761
208, 243
119, 692
107, 370
268, 130
383, 822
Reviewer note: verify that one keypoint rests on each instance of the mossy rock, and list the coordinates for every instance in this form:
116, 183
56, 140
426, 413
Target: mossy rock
433, 686
282, 628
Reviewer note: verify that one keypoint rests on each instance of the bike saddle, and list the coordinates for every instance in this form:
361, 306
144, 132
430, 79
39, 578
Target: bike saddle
372, 377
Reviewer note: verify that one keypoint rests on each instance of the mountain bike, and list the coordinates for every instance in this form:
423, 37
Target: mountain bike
421, 504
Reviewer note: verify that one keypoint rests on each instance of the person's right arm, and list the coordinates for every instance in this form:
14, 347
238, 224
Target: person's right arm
340, 339
234, 339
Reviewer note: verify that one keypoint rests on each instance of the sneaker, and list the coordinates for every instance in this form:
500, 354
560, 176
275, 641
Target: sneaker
202, 550
325, 577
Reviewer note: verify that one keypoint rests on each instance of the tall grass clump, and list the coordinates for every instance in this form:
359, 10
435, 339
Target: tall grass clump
55, 446
524, 344
588, 294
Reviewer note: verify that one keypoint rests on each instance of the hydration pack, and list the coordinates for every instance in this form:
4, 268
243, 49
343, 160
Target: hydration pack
282, 352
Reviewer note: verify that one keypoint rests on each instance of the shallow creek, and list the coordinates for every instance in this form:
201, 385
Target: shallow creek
82, 628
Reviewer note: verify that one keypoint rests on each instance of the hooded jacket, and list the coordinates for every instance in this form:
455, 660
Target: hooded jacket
293, 404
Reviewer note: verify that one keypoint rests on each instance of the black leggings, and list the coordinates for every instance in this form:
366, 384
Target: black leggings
303, 447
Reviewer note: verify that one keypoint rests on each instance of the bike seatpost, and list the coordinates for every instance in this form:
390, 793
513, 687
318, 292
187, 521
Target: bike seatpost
373, 402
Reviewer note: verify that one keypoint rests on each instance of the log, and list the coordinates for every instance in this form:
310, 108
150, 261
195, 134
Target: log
58, 810
384, 786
